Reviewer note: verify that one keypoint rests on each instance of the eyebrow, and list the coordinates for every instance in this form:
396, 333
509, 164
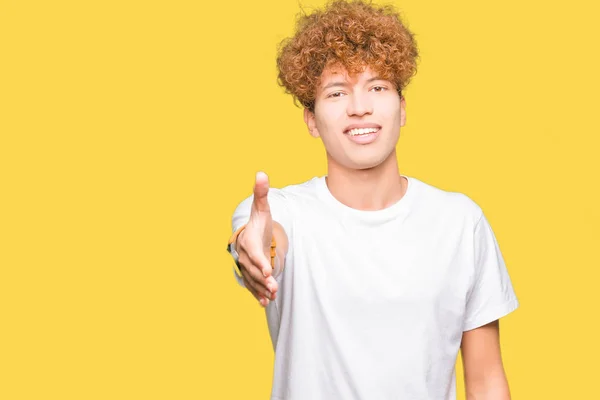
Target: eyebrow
343, 83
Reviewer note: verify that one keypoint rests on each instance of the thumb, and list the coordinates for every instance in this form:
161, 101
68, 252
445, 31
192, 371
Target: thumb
261, 190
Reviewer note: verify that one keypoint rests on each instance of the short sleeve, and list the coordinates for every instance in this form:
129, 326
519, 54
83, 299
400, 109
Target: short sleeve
491, 295
280, 211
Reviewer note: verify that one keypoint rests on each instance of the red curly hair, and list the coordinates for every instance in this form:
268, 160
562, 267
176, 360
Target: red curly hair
350, 34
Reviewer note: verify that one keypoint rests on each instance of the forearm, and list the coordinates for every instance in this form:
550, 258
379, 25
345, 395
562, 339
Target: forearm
484, 374
493, 386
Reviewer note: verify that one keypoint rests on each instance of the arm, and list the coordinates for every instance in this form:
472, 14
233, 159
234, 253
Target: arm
482, 363
491, 297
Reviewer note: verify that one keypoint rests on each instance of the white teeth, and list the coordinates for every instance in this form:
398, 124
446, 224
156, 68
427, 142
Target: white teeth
362, 131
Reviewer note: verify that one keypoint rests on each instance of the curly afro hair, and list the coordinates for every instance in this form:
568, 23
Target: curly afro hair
349, 34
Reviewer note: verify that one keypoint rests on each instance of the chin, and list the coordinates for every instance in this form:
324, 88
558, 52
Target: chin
365, 164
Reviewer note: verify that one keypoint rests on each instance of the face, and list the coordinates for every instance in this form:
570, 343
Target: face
358, 118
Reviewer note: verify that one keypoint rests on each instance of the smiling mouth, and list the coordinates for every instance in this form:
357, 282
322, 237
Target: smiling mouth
363, 136
362, 131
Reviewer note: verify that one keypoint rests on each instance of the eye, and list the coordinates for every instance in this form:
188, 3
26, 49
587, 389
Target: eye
379, 87
334, 94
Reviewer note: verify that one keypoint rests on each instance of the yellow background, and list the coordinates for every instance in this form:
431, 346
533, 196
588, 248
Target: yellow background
131, 129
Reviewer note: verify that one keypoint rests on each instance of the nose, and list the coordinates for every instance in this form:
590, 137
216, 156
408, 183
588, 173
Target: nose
359, 104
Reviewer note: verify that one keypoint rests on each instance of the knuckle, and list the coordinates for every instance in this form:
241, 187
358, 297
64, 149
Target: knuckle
254, 257
259, 275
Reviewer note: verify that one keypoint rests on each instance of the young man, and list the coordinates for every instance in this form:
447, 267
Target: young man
372, 280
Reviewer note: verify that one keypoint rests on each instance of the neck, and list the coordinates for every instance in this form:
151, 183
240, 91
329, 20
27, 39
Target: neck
367, 189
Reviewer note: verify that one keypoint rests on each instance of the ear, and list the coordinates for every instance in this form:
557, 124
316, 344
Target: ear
402, 111
309, 119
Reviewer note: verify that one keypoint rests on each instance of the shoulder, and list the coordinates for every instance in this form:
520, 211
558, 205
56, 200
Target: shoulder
446, 203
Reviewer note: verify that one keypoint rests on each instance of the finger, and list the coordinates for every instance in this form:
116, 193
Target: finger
258, 287
261, 190
261, 299
252, 291
258, 259
257, 275
269, 290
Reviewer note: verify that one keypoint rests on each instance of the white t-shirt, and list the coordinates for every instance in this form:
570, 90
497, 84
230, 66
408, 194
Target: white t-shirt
372, 304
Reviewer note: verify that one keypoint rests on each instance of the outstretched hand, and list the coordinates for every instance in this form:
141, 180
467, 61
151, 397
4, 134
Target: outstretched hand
254, 245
